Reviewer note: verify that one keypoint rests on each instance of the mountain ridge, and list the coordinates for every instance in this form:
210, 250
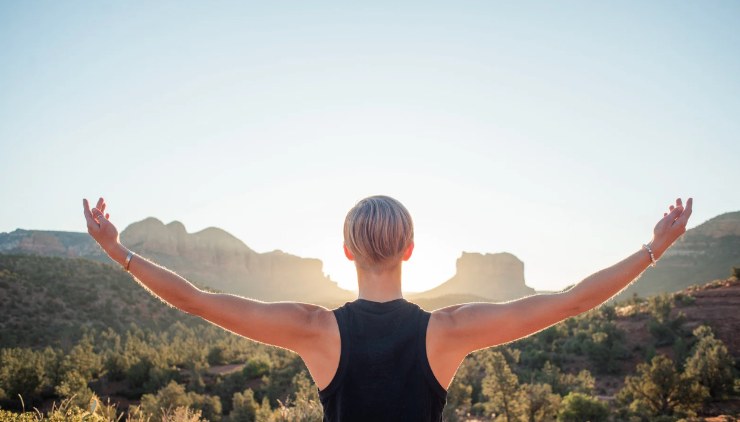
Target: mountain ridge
214, 258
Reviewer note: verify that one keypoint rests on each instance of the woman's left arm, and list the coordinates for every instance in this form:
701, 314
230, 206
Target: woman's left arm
475, 326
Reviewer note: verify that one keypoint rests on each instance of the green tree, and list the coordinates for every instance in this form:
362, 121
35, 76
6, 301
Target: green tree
603, 343
660, 307
210, 406
22, 373
577, 407
711, 364
244, 407
501, 386
74, 388
83, 359
564, 383
257, 366
167, 399
459, 401
540, 403
305, 407
658, 389
173, 396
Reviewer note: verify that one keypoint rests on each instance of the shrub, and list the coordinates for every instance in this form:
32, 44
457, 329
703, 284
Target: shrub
257, 367
577, 407
658, 389
711, 364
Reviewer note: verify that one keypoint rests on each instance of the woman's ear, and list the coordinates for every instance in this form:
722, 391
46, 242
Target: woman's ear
409, 251
348, 253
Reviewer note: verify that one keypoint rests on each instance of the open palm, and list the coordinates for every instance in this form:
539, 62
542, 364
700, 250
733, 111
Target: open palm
98, 225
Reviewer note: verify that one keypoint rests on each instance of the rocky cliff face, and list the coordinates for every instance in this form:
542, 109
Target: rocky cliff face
51, 243
219, 260
212, 258
706, 252
496, 277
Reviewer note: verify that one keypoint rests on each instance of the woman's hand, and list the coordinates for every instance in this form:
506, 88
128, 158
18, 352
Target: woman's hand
98, 225
671, 226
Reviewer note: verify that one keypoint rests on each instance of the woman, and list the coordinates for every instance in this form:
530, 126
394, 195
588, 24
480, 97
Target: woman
381, 358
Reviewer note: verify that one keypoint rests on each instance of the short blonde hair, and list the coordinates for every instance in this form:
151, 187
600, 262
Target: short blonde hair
378, 230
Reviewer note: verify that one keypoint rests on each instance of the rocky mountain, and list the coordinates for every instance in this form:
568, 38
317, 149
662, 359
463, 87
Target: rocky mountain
212, 258
216, 259
706, 252
494, 277
51, 243
219, 260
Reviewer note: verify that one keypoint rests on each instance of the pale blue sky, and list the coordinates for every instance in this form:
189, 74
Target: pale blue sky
555, 131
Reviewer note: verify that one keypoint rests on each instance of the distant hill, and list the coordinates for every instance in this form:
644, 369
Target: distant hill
52, 243
221, 261
216, 259
714, 303
495, 277
49, 301
212, 258
438, 302
706, 252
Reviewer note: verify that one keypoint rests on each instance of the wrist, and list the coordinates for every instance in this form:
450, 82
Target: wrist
658, 248
117, 252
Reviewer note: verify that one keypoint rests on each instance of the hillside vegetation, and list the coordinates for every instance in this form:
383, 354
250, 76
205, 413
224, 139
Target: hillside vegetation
75, 331
50, 301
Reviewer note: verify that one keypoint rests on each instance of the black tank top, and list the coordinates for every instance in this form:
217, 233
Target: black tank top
383, 373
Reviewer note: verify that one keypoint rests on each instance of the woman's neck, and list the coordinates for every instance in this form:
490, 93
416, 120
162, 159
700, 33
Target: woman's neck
379, 286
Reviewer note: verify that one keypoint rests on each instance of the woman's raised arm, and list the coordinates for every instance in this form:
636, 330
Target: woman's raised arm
458, 330
291, 325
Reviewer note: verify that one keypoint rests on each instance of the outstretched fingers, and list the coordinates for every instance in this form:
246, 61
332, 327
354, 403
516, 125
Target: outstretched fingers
94, 217
100, 216
683, 219
673, 212
91, 223
101, 204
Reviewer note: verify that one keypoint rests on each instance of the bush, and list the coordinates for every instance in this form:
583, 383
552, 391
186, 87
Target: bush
244, 407
539, 402
74, 387
577, 407
658, 389
711, 364
257, 367
305, 406
22, 372
216, 356
173, 396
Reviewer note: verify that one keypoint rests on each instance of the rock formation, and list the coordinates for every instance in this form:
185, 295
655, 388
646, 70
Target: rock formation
210, 258
51, 243
496, 277
217, 259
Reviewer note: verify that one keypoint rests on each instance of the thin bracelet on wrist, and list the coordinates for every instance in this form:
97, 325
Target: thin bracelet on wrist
652, 256
127, 263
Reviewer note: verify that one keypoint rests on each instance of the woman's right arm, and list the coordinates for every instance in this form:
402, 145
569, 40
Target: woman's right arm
291, 325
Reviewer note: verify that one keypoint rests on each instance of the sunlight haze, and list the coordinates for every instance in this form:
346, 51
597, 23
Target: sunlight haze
557, 132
